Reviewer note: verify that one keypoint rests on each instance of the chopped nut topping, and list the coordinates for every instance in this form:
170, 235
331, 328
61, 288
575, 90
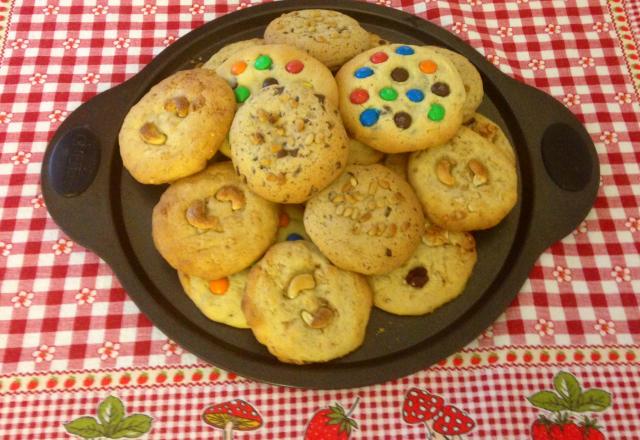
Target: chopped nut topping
151, 134
480, 175
231, 194
443, 172
299, 283
178, 105
198, 217
320, 319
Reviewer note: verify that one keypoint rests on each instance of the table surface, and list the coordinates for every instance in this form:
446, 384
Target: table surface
70, 337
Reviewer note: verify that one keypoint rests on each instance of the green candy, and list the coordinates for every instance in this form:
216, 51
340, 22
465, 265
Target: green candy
436, 112
263, 62
389, 94
242, 93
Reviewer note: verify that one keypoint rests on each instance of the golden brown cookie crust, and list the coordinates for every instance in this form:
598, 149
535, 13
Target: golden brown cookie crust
202, 222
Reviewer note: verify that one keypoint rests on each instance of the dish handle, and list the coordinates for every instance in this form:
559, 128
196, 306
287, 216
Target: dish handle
78, 165
564, 167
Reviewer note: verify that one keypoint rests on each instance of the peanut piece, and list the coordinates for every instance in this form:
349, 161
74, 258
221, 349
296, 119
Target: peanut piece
480, 175
151, 134
299, 283
320, 319
178, 105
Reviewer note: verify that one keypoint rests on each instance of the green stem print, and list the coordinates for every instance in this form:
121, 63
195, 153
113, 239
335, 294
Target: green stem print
111, 422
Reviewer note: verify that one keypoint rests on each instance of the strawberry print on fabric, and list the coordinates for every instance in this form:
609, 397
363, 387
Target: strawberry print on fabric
234, 415
332, 423
563, 403
443, 421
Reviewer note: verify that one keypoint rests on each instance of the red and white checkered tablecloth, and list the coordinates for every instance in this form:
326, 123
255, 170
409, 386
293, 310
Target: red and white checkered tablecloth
70, 336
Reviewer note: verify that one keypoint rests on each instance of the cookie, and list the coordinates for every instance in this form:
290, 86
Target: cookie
176, 127
288, 142
219, 300
492, 132
253, 68
367, 221
400, 98
465, 184
470, 78
225, 148
376, 40
435, 274
397, 163
361, 154
329, 36
218, 58
291, 225
202, 222
303, 308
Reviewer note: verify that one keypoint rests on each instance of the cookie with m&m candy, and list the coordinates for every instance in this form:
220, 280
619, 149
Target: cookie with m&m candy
252, 68
400, 98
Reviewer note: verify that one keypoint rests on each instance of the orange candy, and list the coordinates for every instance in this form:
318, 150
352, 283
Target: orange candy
238, 68
428, 66
284, 220
219, 287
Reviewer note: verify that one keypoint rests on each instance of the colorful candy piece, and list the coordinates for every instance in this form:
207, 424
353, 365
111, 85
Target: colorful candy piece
405, 50
363, 72
388, 94
436, 112
399, 74
294, 66
415, 95
428, 66
294, 237
369, 117
283, 220
219, 287
379, 57
402, 120
359, 96
263, 62
440, 89
269, 82
242, 93
238, 68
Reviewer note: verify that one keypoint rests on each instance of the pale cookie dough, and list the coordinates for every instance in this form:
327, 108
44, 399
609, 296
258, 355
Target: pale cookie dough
471, 79
288, 143
176, 127
466, 184
401, 98
367, 221
252, 68
361, 154
218, 58
303, 308
434, 275
329, 36
219, 300
210, 225
489, 130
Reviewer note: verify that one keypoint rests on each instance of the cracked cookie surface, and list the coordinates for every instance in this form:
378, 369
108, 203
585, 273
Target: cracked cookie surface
436, 273
302, 307
368, 220
288, 143
176, 127
201, 224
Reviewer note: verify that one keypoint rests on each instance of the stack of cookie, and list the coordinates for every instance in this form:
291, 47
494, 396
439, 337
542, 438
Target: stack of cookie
341, 193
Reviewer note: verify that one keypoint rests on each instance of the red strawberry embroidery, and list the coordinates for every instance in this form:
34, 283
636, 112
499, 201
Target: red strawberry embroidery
88, 381
331, 423
197, 376
106, 381
52, 382
69, 382
178, 377
591, 431
143, 378
125, 379
540, 429
162, 377
214, 375
33, 383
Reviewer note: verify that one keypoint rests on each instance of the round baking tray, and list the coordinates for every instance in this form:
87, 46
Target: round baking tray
98, 204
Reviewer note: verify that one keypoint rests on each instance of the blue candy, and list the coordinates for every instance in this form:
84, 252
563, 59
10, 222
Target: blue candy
294, 237
369, 117
363, 72
404, 50
415, 95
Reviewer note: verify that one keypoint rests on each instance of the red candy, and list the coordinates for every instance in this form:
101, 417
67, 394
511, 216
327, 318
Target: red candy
359, 96
294, 66
379, 57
